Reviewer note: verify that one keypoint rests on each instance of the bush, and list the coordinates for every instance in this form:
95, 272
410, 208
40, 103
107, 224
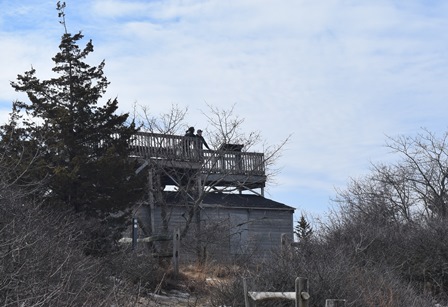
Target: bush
42, 259
332, 272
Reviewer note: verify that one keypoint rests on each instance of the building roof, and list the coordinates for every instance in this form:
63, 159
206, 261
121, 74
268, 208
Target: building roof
227, 200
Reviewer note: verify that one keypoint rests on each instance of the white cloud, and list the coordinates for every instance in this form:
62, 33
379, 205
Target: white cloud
339, 75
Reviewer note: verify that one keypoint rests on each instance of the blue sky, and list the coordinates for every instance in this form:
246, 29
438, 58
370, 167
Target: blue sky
339, 75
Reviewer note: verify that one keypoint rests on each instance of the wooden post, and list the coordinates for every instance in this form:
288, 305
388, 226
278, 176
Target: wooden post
134, 233
238, 162
151, 201
335, 303
199, 185
283, 241
302, 292
176, 245
246, 296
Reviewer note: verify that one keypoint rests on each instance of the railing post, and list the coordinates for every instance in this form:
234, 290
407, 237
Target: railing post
302, 292
335, 303
176, 245
151, 200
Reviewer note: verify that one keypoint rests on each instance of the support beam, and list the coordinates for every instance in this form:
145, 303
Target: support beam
151, 200
176, 246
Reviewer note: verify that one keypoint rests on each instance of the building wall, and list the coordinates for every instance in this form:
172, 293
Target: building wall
226, 231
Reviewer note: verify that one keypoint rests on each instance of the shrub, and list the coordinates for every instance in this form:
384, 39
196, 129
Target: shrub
42, 259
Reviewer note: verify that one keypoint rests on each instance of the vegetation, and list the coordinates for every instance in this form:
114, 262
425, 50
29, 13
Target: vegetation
64, 139
226, 128
62, 147
386, 245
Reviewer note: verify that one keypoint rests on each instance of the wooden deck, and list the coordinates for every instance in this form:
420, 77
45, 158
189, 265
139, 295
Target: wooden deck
173, 151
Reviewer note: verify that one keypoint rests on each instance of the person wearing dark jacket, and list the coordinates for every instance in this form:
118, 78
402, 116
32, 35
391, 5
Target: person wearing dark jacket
190, 132
201, 139
186, 143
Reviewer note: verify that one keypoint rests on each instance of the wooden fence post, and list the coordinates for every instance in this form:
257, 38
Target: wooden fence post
302, 292
134, 233
176, 245
246, 295
283, 242
335, 303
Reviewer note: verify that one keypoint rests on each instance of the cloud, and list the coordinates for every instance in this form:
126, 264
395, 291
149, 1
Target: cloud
337, 75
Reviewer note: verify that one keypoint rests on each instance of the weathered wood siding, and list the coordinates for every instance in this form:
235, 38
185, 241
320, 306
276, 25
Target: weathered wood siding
227, 231
267, 227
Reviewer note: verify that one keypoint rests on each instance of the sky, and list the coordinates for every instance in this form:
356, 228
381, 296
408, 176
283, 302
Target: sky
336, 76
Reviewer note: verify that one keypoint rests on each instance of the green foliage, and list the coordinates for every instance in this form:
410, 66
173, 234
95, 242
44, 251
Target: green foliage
303, 229
63, 137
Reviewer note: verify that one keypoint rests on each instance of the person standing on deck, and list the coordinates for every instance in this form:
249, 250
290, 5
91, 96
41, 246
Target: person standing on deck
200, 143
190, 132
188, 138
201, 139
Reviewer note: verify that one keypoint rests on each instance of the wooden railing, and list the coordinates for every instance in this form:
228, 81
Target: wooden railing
301, 295
180, 148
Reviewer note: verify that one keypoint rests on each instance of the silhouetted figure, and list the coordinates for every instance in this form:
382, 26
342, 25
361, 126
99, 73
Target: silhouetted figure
190, 132
201, 139
199, 144
186, 142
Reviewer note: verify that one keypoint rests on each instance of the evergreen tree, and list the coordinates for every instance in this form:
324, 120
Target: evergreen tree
303, 229
63, 136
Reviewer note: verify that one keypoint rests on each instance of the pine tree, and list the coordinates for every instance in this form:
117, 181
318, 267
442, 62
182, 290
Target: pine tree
303, 229
79, 147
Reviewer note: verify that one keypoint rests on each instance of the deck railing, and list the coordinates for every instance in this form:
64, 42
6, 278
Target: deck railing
189, 149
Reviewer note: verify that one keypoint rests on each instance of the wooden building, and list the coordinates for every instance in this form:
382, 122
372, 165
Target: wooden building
216, 198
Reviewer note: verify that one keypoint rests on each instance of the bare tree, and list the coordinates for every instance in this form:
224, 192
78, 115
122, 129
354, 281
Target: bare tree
194, 172
425, 170
227, 129
411, 188
169, 123
400, 208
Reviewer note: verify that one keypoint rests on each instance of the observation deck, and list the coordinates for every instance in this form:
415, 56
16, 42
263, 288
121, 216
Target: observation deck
227, 166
